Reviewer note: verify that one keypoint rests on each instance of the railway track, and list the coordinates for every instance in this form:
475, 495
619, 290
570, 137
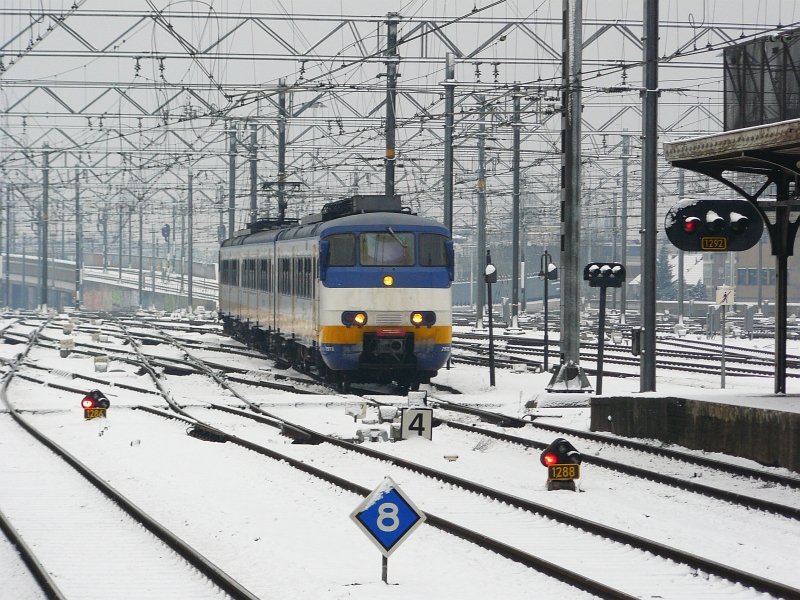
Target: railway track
468, 348
295, 430
86, 517
623, 465
215, 427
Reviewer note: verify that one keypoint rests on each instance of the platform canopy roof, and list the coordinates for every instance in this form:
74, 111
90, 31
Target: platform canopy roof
762, 149
771, 150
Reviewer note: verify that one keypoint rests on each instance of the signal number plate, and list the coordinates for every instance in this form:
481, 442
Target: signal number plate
563, 472
714, 243
93, 413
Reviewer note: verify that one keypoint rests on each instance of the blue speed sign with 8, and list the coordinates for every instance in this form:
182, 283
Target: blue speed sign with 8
387, 516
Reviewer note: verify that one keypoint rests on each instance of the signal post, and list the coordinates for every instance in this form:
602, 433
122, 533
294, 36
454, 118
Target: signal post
769, 151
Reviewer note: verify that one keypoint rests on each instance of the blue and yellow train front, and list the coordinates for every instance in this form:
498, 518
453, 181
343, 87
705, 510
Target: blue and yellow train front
385, 303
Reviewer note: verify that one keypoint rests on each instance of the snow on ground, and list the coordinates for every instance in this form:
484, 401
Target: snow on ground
285, 534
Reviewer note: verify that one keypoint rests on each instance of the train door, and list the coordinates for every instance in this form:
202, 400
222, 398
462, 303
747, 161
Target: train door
293, 308
315, 291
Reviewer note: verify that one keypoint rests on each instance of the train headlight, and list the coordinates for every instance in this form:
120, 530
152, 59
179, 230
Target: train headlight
423, 317
354, 317
388, 280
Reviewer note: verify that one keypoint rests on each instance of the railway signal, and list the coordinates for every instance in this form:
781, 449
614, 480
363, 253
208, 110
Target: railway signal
490, 276
603, 275
563, 465
94, 405
548, 272
714, 225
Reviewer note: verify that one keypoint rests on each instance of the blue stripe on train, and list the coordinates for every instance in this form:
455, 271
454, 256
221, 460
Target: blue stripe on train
344, 357
372, 277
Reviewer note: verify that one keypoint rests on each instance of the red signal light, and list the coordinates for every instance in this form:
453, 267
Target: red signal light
691, 224
87, 403
549, 459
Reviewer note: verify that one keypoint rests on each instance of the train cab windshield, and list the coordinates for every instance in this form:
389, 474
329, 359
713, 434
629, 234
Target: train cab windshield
387, 249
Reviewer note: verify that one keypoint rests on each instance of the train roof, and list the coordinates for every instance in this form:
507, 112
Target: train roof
358, 222
378, 219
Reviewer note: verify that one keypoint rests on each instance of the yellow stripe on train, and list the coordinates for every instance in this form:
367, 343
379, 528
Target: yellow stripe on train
339, 334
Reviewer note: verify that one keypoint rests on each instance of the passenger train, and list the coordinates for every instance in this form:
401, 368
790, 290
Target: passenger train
360, 292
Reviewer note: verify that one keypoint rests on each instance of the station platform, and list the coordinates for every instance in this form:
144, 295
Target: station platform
761, 427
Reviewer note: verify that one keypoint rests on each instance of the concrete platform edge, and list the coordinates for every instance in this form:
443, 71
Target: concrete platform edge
769, 437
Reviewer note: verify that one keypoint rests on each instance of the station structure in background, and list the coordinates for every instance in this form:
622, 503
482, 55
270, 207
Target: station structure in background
759, 153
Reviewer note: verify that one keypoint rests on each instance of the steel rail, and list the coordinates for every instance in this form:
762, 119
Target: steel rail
36, 569
725, 571
556, 571
676, 482
192, 556
623, 537
509, 421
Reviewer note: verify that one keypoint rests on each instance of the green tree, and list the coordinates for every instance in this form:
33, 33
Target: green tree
696, 291
666, 286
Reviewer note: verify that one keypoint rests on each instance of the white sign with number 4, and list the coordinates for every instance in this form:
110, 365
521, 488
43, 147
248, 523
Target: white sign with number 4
416, 422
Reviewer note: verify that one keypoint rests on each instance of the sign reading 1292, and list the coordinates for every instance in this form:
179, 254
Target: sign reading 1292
387, 516
714, 243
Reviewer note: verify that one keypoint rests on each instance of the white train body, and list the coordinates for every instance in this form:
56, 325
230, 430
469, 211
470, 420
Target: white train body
363, 297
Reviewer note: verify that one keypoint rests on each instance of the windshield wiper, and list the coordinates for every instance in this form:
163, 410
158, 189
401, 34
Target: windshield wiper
397, 239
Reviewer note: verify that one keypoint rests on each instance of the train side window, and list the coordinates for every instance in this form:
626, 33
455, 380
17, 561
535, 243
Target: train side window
342, 250
432, 250
313, 279
306, 277
284, 276
296, 277
262, 274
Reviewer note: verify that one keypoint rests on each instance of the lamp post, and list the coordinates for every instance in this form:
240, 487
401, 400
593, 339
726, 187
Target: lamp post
547, 272
490, 275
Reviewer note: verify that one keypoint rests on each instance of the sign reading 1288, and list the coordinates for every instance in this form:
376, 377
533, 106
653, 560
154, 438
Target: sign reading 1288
387, 516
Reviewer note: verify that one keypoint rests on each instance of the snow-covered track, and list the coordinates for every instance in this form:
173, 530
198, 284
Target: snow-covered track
691, 458
606, 541
649, 474
557, 571
566, 532
94, 533
591, 543
696, 357
38, 572
307, 436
